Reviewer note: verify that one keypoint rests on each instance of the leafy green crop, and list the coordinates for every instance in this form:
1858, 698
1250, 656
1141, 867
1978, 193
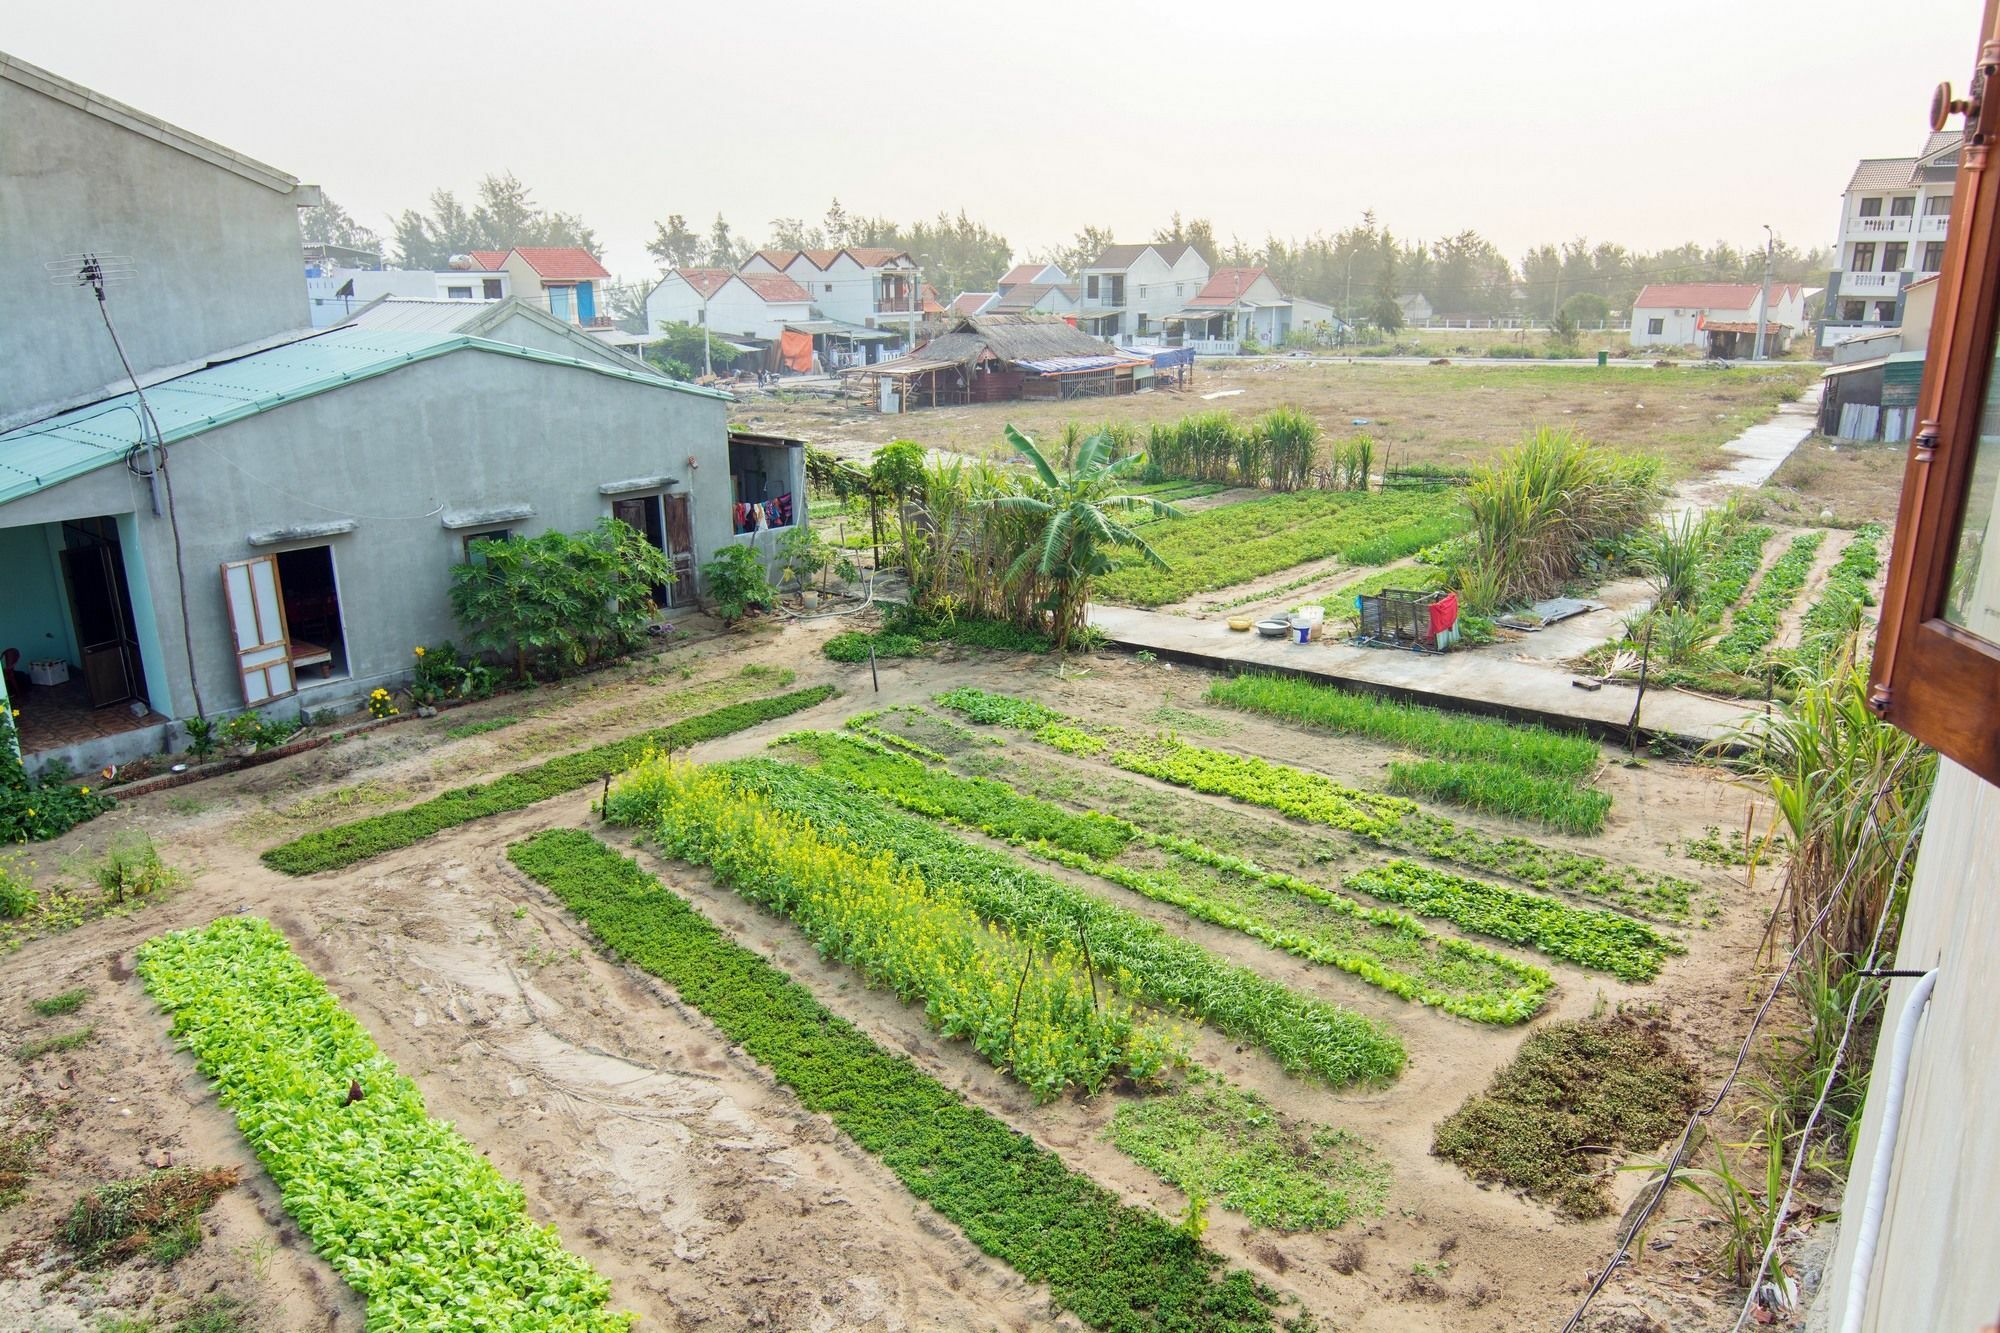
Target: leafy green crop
1384, 948
1117, 1267
1302, 1032
1213, 1141
357, 840
1755, 623
407, 1211
1433, 731
1837, 611
1502, 789
1036, 1014
1218, 548
1385, 821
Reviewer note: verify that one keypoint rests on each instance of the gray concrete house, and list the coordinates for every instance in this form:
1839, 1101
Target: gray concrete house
270, 519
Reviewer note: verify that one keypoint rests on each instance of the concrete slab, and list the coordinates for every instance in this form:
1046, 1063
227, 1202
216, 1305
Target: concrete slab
1483, 680
1760, 450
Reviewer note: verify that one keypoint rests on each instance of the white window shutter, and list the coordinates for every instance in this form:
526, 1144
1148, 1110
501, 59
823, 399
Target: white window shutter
257, 618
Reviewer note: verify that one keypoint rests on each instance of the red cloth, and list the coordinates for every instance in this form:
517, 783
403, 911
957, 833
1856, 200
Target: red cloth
795, 349
1444, 613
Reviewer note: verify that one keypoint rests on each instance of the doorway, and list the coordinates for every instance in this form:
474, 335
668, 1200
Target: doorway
664, 521
311, 595
93, 563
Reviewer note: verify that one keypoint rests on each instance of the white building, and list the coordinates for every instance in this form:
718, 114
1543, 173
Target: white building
1893, 222
1129, 290
871, 286
337, 293
1717, 318
752, 305
565, 280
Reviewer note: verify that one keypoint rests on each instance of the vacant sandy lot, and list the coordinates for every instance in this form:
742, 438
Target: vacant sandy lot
666, 1157
1447, 415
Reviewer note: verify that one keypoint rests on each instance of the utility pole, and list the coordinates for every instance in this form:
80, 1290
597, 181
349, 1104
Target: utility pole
1764, 304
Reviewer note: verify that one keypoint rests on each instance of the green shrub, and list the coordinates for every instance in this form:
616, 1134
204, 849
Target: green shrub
409, 1213
357, 840
1116, 1267
17, 891
559, 601
30, 810
737, 583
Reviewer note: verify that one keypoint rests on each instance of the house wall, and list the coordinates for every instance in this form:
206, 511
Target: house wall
519, 330
1678, 331
468, 431
1934, 1264
72, 181
734, 308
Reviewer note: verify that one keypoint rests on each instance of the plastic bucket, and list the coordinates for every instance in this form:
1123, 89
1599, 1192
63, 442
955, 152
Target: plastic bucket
1302, 633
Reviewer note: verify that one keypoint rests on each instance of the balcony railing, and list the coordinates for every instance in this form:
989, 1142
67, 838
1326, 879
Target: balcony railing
1934, 224
1869, 282
1874, 226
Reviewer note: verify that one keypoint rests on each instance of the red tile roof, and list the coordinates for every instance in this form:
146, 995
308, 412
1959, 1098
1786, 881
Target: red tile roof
933, 303
968, 303
872, 256
1225, 287
777, 259
562, 263
705, 281
1698, 296
1021, 273
489, 259
774, 287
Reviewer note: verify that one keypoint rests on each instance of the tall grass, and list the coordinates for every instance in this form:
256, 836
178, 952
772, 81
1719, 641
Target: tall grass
1544, 509
1674, 554
1291, 442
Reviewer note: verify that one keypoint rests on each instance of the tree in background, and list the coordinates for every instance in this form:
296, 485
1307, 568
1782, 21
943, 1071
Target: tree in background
1198, 232
1087, 246
723, 249
679, 353
505, 216
674, 245
330, 224
955, 254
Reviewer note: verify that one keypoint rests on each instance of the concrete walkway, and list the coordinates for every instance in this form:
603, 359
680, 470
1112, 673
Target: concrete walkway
1485, 681
1760, 451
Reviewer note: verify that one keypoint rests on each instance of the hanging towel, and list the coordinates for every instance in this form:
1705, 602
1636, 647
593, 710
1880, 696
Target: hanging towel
1444, 613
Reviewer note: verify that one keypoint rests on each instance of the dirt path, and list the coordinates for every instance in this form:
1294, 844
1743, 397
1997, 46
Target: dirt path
1824, 560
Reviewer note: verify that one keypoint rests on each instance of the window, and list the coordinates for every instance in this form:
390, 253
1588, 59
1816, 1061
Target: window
491, 288
1933, 256
458, 293
491, 535
829, 286
311, 596
1657, 324
1936, 671
1892, 255
1114, 290
1863, 258
1885, 312
1141, 325
1852, 311
1938, 205
1871, 208
1090, 287
760, 481
1902, 206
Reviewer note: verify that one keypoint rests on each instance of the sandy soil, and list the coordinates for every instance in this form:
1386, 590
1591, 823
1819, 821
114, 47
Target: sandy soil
1451, 415
667, 1158
1856, 483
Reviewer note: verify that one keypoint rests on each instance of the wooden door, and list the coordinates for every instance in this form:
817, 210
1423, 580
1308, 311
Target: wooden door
257, 618
680, 549
93, 575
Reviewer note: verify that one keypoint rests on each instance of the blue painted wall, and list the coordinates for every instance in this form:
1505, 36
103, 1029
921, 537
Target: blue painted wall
34, 606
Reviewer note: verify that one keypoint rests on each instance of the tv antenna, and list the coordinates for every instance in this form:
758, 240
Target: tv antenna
98, 270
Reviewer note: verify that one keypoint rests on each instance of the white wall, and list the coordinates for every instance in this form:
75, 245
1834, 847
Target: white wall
1678, 327
735, 308
420, 284
1935, 1264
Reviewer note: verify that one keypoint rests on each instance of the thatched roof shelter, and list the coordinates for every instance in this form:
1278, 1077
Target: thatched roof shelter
1031, 342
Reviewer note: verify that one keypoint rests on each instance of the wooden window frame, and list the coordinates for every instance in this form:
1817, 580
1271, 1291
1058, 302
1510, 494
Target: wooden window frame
1931, 678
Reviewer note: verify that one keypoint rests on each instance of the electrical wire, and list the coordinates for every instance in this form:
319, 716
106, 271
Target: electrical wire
1833, 1070
1679, 1156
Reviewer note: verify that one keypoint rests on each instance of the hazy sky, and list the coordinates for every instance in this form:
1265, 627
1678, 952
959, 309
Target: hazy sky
1646, 124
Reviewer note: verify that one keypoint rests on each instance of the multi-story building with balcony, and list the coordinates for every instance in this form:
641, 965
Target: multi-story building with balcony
1893, 222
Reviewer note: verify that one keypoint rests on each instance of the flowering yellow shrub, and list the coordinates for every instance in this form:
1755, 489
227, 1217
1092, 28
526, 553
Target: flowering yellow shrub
1038, 1013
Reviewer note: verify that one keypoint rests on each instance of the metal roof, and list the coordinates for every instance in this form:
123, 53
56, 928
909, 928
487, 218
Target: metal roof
1064, 365
416, 314
39, 455
858, 332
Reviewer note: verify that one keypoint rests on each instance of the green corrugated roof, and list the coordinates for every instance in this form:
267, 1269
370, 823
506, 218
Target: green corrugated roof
37, 456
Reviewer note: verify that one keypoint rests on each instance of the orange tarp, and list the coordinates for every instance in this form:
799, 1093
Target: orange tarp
796, 350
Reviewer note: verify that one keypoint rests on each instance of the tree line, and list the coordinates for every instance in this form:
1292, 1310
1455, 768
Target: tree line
1360, 270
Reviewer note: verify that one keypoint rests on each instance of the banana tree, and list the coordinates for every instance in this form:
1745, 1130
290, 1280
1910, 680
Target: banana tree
1078, 538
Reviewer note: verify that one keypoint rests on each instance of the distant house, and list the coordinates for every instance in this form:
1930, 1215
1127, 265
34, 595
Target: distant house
1893, 222
567, 280
990, 358
1870, 391
750, 305
335, 293
1022, 274
1036, 298
970, 303
1130, 289
1718, 319
863, 285
1416, 307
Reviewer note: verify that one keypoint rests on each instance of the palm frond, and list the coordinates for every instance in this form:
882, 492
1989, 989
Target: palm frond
1025, 446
